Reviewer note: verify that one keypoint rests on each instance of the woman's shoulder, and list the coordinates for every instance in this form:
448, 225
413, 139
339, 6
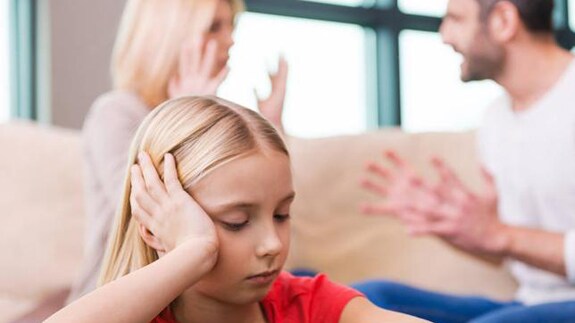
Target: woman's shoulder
117, 106
115, 103
304, 298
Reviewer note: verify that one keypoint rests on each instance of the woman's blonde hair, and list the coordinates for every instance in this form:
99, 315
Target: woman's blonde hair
149, 41
202, 133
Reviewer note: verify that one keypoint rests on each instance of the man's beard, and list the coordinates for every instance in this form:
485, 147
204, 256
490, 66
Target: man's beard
484, 61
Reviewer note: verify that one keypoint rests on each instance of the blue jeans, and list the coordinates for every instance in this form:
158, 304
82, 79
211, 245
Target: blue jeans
442, 308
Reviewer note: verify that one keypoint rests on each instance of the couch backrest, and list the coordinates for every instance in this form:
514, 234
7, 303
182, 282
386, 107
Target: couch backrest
41, 209
329, 234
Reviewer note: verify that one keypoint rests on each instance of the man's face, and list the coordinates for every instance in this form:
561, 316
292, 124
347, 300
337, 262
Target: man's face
463, 29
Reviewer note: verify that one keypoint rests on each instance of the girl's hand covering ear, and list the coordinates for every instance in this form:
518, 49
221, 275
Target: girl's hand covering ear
166, 210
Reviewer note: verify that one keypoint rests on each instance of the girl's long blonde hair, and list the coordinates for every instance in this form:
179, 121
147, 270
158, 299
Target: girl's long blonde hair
202, 133
149, 40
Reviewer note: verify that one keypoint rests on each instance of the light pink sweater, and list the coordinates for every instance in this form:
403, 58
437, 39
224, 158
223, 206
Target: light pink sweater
108, 130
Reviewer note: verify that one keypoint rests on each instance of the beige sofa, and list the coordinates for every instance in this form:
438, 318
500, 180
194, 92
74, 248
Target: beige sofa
41, 208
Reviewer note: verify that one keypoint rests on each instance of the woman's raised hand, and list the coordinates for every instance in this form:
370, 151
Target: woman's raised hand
196, 74
272, 106
166, 210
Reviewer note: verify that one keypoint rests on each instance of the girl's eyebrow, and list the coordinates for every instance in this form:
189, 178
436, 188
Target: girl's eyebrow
246, 205
231, 206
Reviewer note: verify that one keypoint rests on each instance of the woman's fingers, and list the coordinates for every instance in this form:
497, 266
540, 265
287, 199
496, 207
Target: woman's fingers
219, 79
279, 78
195, 55
185, 61
208, 62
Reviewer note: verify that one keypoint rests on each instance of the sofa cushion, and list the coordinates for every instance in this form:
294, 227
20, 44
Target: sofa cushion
330, 235
41, 200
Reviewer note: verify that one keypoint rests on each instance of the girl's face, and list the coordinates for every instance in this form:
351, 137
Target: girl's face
249, 201
221, 31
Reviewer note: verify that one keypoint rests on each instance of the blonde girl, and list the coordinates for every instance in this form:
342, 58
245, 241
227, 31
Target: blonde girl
204, 229
164, 49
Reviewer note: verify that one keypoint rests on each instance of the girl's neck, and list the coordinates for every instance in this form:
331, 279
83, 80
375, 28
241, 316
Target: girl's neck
193, 307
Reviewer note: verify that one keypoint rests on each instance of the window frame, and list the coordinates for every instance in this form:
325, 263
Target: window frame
384, 21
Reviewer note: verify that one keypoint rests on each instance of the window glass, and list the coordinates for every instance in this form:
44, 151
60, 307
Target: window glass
571, 5
326, 83
434, 8
342, 2
433, 97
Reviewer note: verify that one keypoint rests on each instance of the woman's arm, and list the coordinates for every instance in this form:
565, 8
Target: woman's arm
360, 310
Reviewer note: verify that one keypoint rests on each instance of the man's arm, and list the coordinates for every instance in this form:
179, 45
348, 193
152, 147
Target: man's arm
542, 249
469, 221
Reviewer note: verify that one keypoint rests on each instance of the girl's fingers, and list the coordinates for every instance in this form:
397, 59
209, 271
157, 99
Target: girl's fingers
139, 197
153, 184
139, 194
141, 215
173, 184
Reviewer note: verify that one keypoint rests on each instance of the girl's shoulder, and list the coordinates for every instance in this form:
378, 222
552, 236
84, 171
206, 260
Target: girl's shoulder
298, 299
306, 299
165, 317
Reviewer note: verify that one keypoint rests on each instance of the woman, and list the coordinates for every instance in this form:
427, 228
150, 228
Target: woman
164, 49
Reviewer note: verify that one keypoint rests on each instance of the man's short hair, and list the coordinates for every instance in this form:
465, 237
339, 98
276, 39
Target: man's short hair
536, 15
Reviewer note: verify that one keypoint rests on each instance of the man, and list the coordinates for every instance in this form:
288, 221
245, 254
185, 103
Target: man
526, 214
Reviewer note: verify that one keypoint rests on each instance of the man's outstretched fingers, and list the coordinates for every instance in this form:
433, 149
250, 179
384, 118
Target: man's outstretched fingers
378, 169
374, 187
394, 158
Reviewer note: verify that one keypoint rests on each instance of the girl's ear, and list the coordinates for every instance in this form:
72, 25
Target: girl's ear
150, 239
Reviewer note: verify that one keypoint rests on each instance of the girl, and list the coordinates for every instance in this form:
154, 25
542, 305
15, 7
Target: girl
204, 229
164, 49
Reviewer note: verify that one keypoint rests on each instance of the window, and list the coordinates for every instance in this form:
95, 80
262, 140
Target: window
4, 70
342, 2
571, 13
326, 84
434, 8
432, 96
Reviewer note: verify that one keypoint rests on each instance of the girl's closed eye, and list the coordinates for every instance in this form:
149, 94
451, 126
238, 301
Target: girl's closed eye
235, 226
281, 217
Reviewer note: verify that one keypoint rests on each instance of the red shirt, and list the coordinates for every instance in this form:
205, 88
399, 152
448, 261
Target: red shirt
298, 300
